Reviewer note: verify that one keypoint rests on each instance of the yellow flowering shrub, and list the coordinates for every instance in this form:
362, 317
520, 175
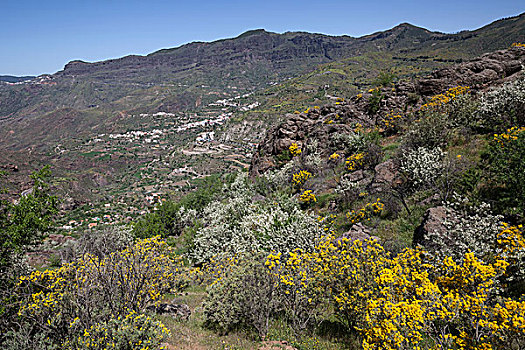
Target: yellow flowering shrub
294, 149
346, 269
299, 179
440, 100
334, 156
366, 212
214, 270
355, 161
327, 223
507, 137
339, 271
446, 304
130, 332
390, 122
307, 197
293, 277
412, 300
90, 290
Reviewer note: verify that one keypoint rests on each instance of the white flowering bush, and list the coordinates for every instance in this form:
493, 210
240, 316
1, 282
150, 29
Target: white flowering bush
345, 187
237, 224
468, 228
348, 190
423, 166
505, 104
280, 178
312, 159
349, 142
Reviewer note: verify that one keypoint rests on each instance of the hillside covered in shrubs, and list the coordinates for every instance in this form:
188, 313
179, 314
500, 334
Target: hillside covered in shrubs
392, 219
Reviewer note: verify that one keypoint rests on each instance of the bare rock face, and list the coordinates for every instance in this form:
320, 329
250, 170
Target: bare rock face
358, 232
386, 174
491, 68
432, 222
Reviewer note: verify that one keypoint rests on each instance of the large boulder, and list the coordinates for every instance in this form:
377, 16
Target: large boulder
177, 311
386, 175
432, 223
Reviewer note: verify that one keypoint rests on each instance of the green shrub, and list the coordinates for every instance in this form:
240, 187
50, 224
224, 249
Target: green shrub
244, 297
130, 332
430, 131
374, 101
21, 224
169, 219
384, 79
506, 172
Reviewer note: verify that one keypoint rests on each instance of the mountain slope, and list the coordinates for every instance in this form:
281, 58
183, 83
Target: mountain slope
249, 61
14, 79
153, 123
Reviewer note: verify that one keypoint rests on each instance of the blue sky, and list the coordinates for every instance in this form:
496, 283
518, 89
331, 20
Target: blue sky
41, 36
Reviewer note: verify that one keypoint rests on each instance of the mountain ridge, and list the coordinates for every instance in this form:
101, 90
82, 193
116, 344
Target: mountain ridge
208, 103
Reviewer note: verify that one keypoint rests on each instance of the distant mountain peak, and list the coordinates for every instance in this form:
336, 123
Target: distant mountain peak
254, 32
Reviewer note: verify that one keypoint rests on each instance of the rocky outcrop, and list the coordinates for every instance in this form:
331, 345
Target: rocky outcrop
319, 124
324, 122
178, 311
359, 232
432, 223
489, 69
386, 175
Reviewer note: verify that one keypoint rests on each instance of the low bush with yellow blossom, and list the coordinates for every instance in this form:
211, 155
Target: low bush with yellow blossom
391, 123
437, 102
294, 149
300, 178
307, 197
355, 161
132, 331
92, 291
412, 300
366, 212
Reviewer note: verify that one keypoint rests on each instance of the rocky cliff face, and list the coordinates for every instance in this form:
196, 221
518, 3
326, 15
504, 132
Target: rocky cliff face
324, 122
277, 51
489, 69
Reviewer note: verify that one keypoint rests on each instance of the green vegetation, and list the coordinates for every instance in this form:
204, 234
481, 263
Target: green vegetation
21, 224
386, 229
